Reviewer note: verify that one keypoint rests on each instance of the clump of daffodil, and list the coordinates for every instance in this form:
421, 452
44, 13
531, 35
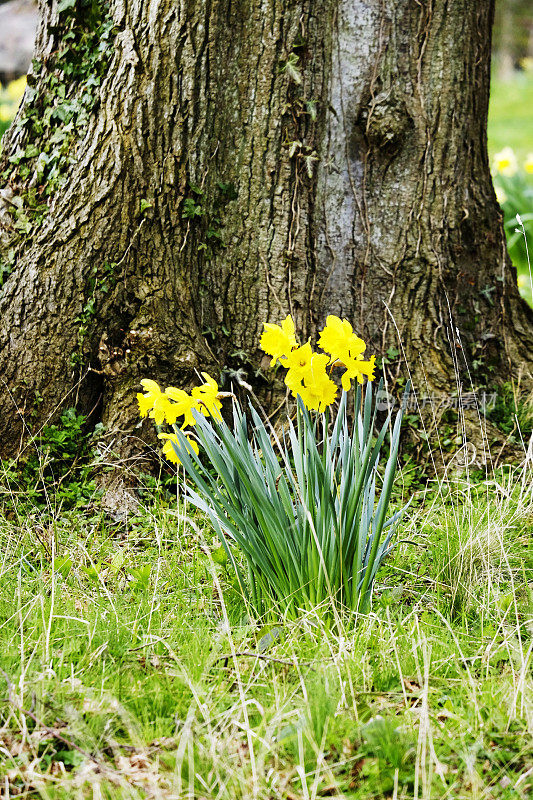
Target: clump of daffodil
170, 405
302, 517
308, 372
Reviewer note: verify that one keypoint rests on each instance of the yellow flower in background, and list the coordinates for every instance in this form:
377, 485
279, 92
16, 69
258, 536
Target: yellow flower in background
6, 112
277, 341
528, 164
15, 89
207, 397
171, 440
505, 162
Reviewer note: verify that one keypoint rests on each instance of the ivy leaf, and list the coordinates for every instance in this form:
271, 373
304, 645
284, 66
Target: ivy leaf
65, 5
70, 758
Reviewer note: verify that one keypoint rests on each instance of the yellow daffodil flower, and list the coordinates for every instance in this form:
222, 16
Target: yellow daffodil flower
298, 361
307, 365
505, 162
153, 402
207, 397
338, 339
357, 368
528, 164
318, 392
168, 449
278, 341
308, 378
185, 404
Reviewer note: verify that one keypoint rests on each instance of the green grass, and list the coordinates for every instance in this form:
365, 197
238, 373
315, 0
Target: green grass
511, 115
137, 650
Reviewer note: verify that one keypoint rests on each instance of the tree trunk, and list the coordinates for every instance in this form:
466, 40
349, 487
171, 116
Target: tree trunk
238, 160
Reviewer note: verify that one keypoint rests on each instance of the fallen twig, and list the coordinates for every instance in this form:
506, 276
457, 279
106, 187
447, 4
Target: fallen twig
251, 654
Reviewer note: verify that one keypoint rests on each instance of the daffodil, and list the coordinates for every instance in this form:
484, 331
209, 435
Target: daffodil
308, 378
154, 402
183, 406
170, 442
305, 367
357, 368
505, 162
207, 396
338, 339
298, 361
277, 341
318, 391
174, 410
528, 164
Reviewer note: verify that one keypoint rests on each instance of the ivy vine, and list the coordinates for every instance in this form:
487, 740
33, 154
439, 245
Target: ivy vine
61, 96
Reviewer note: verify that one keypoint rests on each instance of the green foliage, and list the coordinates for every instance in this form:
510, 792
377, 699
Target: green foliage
58, 462
515, 194
291, 68
206, 215
302, 512
512, 413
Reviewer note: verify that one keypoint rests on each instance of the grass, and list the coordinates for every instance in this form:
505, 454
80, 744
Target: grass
131, 669
511, 115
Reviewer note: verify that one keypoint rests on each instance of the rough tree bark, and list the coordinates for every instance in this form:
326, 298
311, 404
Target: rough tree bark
246, 158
